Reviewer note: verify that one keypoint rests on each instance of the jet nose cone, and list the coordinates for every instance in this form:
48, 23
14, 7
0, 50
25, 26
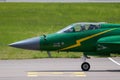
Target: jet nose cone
31, 44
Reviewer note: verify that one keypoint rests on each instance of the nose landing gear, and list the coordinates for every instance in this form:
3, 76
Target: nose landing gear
85, 65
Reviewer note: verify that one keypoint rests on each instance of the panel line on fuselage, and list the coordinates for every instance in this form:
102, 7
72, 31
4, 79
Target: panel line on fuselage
78, 42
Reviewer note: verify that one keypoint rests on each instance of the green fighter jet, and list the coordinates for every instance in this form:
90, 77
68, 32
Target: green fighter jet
90, 38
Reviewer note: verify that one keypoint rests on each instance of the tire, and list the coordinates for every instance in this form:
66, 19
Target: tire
85, 66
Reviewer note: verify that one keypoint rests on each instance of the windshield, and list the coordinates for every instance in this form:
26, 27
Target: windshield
77, 27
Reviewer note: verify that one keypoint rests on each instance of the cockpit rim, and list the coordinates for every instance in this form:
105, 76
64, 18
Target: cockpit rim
80, 23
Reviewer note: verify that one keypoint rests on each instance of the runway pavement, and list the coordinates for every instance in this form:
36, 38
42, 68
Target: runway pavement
60, 0
59, 69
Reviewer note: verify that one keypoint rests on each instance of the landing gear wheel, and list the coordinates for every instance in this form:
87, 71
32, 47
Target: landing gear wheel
85, 66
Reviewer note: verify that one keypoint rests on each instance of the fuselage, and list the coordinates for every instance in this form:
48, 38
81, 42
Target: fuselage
78, 37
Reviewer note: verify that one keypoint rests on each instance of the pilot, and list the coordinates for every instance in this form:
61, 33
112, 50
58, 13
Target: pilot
82, 27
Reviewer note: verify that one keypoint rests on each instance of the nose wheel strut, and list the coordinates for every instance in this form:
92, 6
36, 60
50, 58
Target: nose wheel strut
85, 65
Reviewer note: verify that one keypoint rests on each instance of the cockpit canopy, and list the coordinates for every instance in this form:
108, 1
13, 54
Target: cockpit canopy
77, 27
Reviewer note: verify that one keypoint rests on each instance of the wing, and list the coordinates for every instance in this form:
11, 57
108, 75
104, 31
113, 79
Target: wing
110, 43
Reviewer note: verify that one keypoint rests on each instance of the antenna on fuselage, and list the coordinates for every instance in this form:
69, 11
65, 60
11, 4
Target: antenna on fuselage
44, 37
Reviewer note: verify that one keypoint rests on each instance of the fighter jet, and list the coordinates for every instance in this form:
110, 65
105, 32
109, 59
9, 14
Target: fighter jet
99, 38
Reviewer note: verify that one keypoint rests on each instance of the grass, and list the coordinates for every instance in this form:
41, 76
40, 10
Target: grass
19, 21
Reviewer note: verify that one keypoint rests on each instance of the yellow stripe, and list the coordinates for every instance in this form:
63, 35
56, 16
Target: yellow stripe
32, 74
74, 74
79, 74
86, 38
